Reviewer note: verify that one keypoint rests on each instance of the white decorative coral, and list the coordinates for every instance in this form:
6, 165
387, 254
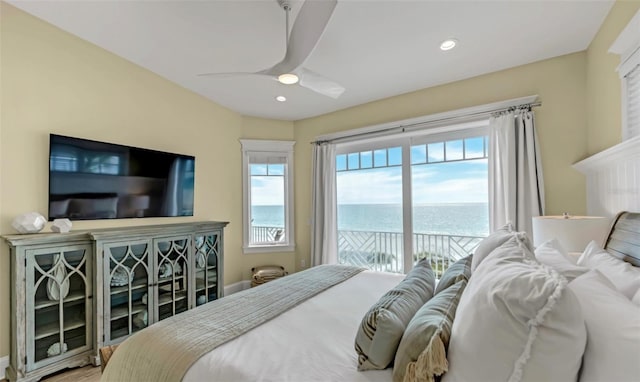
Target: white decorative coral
31, 222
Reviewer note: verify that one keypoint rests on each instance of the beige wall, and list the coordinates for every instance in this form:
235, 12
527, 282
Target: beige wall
260, 128
603, 84
53, 82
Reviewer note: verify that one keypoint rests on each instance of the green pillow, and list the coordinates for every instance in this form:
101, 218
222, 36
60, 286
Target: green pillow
460, 270
422, 351
381, 328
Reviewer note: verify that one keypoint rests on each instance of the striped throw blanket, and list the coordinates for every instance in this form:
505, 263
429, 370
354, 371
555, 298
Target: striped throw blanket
166, 350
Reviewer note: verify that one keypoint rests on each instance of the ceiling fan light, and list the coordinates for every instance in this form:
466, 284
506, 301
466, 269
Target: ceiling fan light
448, 44
288, 78
281, 98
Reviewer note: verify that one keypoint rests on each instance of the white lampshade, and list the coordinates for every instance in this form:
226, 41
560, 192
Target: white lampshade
573, 232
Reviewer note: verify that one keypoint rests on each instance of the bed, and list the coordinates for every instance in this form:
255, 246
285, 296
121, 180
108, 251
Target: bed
312, 338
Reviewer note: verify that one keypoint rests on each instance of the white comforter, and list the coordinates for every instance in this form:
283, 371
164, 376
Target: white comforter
311, 342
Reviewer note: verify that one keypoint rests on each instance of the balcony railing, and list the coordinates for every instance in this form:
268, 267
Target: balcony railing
383, 251
262, 234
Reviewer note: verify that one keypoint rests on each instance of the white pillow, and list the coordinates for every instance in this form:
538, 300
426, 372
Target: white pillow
491, 242
516, 321
552, 254
623, 275
613, 330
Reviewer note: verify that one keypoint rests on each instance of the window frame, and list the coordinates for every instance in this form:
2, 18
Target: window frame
633, 62
273, 148
627, 46
479, 126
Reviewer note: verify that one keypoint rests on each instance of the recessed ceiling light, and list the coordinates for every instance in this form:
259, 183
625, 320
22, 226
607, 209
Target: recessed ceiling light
288, 78
448, 44
281, 98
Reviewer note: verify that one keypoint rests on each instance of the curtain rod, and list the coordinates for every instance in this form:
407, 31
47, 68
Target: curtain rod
403, 128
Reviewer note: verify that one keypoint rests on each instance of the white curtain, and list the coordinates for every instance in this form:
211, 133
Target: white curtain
516, 188
324, 230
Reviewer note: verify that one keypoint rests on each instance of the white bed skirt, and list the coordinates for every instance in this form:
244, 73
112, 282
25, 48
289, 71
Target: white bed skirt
312, 342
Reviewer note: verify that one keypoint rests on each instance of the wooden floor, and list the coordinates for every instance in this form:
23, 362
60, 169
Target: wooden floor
81, 374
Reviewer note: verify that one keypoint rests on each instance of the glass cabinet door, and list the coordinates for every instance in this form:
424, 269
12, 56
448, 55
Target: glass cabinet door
127, 280
172, 270
206, 250
59, 305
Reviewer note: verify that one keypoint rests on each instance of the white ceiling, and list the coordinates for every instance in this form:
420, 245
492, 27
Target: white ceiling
375, 49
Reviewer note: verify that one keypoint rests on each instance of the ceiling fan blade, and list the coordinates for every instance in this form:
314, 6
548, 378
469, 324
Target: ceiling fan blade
319, 84
231, 74
305, 34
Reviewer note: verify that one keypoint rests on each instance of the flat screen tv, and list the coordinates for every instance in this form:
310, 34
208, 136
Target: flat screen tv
97, 180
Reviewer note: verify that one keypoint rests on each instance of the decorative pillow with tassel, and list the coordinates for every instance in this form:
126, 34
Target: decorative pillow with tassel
421, 355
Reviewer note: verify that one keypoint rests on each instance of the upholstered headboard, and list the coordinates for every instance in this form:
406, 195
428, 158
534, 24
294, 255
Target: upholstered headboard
624, 238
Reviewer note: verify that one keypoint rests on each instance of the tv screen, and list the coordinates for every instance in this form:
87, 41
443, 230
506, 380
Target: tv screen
97, 180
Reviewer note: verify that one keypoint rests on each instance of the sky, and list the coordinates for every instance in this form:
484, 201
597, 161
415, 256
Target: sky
432, 182
267, 185
453, 182
364, 183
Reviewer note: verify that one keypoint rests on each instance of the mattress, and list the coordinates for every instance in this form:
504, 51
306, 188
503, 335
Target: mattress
312, 342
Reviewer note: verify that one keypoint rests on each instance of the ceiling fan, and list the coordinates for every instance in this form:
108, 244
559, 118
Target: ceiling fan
305, 34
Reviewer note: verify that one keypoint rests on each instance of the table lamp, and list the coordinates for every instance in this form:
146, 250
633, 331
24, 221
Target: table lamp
573, 232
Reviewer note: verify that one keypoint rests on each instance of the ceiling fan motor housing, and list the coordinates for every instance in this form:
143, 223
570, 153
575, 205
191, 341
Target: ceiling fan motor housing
284, 4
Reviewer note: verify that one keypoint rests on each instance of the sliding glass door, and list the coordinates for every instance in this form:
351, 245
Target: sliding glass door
449, 206
370, 215
400, 200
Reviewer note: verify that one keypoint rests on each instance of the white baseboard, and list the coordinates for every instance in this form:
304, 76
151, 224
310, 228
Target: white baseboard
237, 287
4, 363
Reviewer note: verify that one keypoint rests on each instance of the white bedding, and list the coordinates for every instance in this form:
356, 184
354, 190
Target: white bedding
312, 342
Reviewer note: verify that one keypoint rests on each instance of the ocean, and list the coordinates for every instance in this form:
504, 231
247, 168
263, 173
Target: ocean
465, 219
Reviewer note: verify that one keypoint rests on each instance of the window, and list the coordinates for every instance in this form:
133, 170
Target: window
631, 102
402, 199
267, 187
627, 45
